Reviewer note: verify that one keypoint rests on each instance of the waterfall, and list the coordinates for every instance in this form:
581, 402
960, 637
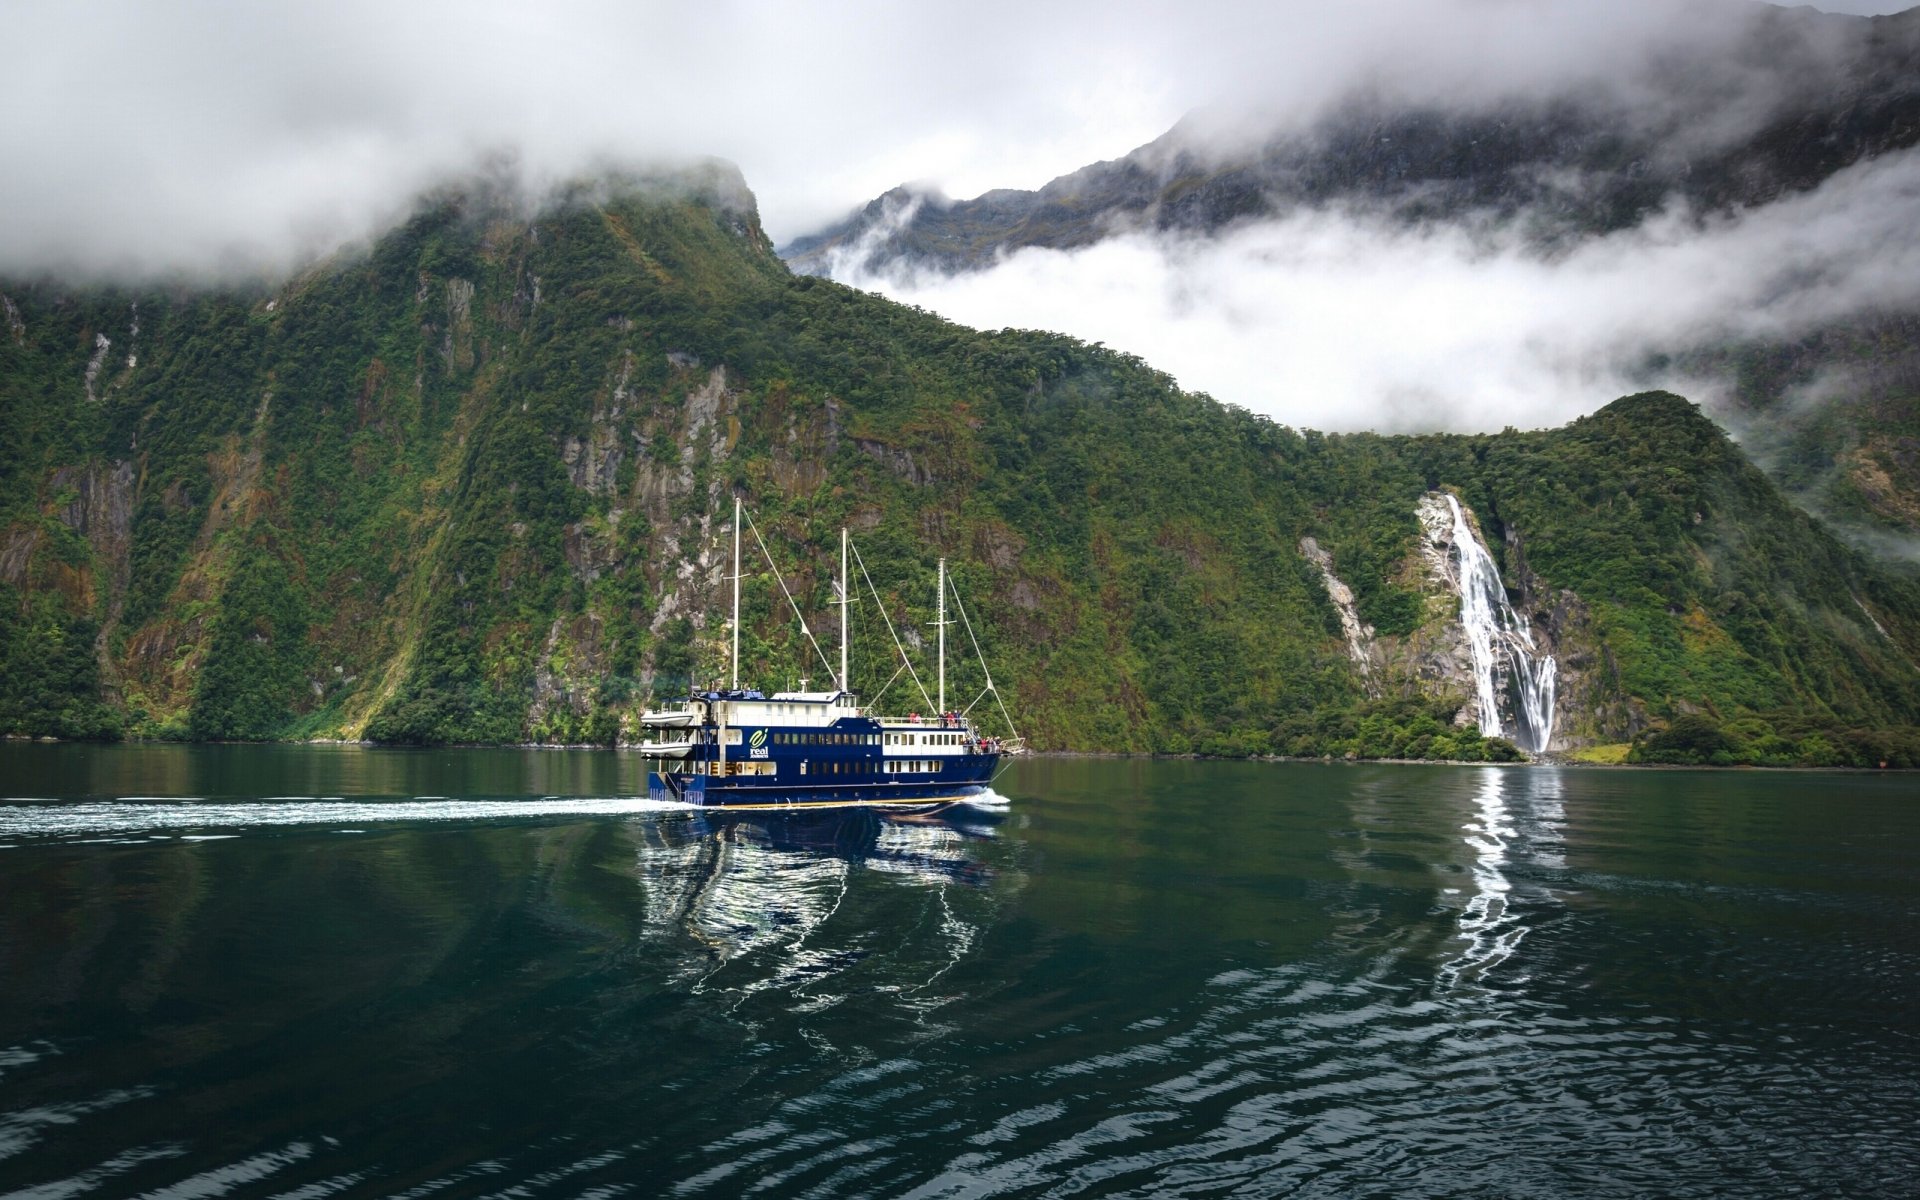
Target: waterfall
1501, 646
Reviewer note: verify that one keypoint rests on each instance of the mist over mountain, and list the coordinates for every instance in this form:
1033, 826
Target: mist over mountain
1725, 215
469, 485
1784, 100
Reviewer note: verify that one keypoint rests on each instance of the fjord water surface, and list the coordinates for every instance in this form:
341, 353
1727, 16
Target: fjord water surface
316, 971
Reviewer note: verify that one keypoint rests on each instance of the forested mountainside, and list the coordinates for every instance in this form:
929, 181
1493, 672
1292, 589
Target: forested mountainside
1798, 96
472, 484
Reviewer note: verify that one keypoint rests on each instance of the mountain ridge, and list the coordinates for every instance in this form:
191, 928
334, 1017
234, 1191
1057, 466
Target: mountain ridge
1578, 163
466, 486
1805, 101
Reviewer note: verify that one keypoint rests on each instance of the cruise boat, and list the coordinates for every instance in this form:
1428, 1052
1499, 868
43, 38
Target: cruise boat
740, 747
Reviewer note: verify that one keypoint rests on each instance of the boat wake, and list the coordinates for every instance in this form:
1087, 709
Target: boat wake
133, 815
988, 799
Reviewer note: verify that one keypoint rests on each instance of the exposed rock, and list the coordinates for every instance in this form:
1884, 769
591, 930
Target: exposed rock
997, 544
457, 347
897, 459
16, 553
573, 657
1434, 659
15, 326
589, 552
101, 344
811, 441
1359, 635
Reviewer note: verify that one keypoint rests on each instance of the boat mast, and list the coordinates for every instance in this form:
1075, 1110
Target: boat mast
941, 621
844, 598
736, 593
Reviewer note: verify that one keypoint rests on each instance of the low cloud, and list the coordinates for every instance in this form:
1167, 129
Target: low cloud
207, 138
1345, 319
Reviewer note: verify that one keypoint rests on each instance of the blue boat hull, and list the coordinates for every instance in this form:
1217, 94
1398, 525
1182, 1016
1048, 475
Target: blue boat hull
717, 791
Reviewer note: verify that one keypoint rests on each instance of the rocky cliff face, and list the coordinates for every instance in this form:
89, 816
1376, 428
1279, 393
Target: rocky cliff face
473, 486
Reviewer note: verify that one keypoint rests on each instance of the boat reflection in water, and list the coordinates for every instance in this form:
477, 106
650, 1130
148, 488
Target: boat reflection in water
818, 904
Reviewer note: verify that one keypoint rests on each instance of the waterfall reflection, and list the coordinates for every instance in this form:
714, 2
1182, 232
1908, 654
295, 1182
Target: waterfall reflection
1516, 812
750, 899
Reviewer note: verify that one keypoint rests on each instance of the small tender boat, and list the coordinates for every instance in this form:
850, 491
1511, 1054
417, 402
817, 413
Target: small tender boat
816, 749
676, 748
671, 718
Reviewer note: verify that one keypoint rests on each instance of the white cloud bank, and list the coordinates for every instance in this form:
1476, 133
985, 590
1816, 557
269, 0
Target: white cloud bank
1344, 320
207, 137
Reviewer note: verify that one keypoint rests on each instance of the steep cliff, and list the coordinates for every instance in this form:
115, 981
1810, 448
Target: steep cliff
470, 485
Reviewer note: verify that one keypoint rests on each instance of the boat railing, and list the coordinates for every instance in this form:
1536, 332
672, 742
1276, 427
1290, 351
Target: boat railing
921, 720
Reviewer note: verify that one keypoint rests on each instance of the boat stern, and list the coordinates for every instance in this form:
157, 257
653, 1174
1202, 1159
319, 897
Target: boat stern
675, 788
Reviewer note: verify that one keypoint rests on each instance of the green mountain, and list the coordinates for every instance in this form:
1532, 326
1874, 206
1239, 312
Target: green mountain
472, 484
1787, 99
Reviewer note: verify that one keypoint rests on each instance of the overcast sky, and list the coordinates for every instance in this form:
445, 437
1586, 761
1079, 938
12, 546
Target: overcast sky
213, 138
167, 135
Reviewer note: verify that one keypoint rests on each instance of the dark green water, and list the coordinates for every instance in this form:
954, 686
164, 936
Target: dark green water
1143, 979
